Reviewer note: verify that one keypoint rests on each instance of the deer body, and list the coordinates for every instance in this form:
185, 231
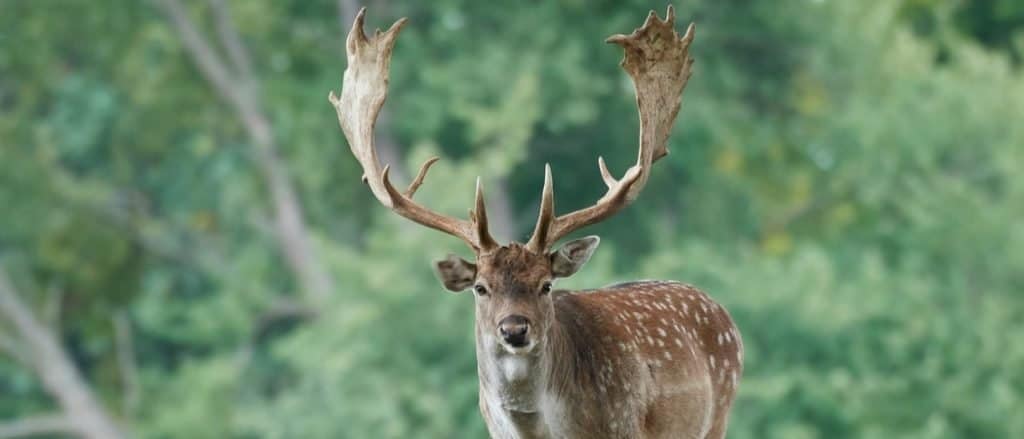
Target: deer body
639, 360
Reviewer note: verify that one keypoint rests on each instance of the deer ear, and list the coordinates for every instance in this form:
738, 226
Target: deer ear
455, 273
568, 259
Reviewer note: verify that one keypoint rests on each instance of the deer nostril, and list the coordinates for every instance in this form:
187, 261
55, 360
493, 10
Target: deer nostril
513, 330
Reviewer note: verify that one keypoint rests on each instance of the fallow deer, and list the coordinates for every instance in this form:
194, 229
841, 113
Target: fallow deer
648, 359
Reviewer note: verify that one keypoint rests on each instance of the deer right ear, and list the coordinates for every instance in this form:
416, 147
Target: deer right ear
455, 273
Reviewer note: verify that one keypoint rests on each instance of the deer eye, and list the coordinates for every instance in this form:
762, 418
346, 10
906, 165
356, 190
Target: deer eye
480, 290
544, 290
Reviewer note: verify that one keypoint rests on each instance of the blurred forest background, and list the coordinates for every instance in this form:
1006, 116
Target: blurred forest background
186, 250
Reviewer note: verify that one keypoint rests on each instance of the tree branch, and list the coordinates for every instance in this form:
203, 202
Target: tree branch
290, 226
231, 40
126, 363
37, 426
55, 369
202, 53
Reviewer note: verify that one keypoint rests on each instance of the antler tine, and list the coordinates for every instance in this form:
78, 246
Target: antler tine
659, 62
363, 93
606, 175
546, 215
480, 218
416, 182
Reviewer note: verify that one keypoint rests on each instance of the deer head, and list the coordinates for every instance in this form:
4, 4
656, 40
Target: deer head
512, 283
513, 288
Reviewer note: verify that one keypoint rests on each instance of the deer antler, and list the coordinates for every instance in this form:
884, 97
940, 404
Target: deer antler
362, 96
658, 61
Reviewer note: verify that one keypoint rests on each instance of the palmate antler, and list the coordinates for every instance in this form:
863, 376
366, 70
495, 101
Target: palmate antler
659, 62
656, 58
363, 93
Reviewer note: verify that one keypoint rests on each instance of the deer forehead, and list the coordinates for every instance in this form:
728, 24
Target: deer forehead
513, 265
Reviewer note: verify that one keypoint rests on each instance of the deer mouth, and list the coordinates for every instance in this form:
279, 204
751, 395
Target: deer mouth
515, 347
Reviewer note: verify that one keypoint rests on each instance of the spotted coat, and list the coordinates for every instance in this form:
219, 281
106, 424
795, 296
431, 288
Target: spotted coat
647, 359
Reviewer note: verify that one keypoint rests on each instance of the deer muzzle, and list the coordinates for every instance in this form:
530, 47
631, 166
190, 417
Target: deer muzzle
514, 331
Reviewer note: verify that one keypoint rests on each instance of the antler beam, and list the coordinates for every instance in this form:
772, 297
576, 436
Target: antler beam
363, 93
659, 63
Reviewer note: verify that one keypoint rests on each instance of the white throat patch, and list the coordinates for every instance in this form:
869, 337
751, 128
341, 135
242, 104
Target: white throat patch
515, 367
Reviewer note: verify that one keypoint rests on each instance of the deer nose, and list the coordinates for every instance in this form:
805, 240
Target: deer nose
513, 330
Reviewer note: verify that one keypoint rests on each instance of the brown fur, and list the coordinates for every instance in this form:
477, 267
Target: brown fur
640, 360
644, 360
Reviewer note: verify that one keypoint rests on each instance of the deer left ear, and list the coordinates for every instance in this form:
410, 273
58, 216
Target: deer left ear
455, 273
568, 259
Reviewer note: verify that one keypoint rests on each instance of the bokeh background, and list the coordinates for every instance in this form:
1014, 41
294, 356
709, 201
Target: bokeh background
186, 250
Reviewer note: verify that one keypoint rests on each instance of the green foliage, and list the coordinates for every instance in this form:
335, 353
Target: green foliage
844, 177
